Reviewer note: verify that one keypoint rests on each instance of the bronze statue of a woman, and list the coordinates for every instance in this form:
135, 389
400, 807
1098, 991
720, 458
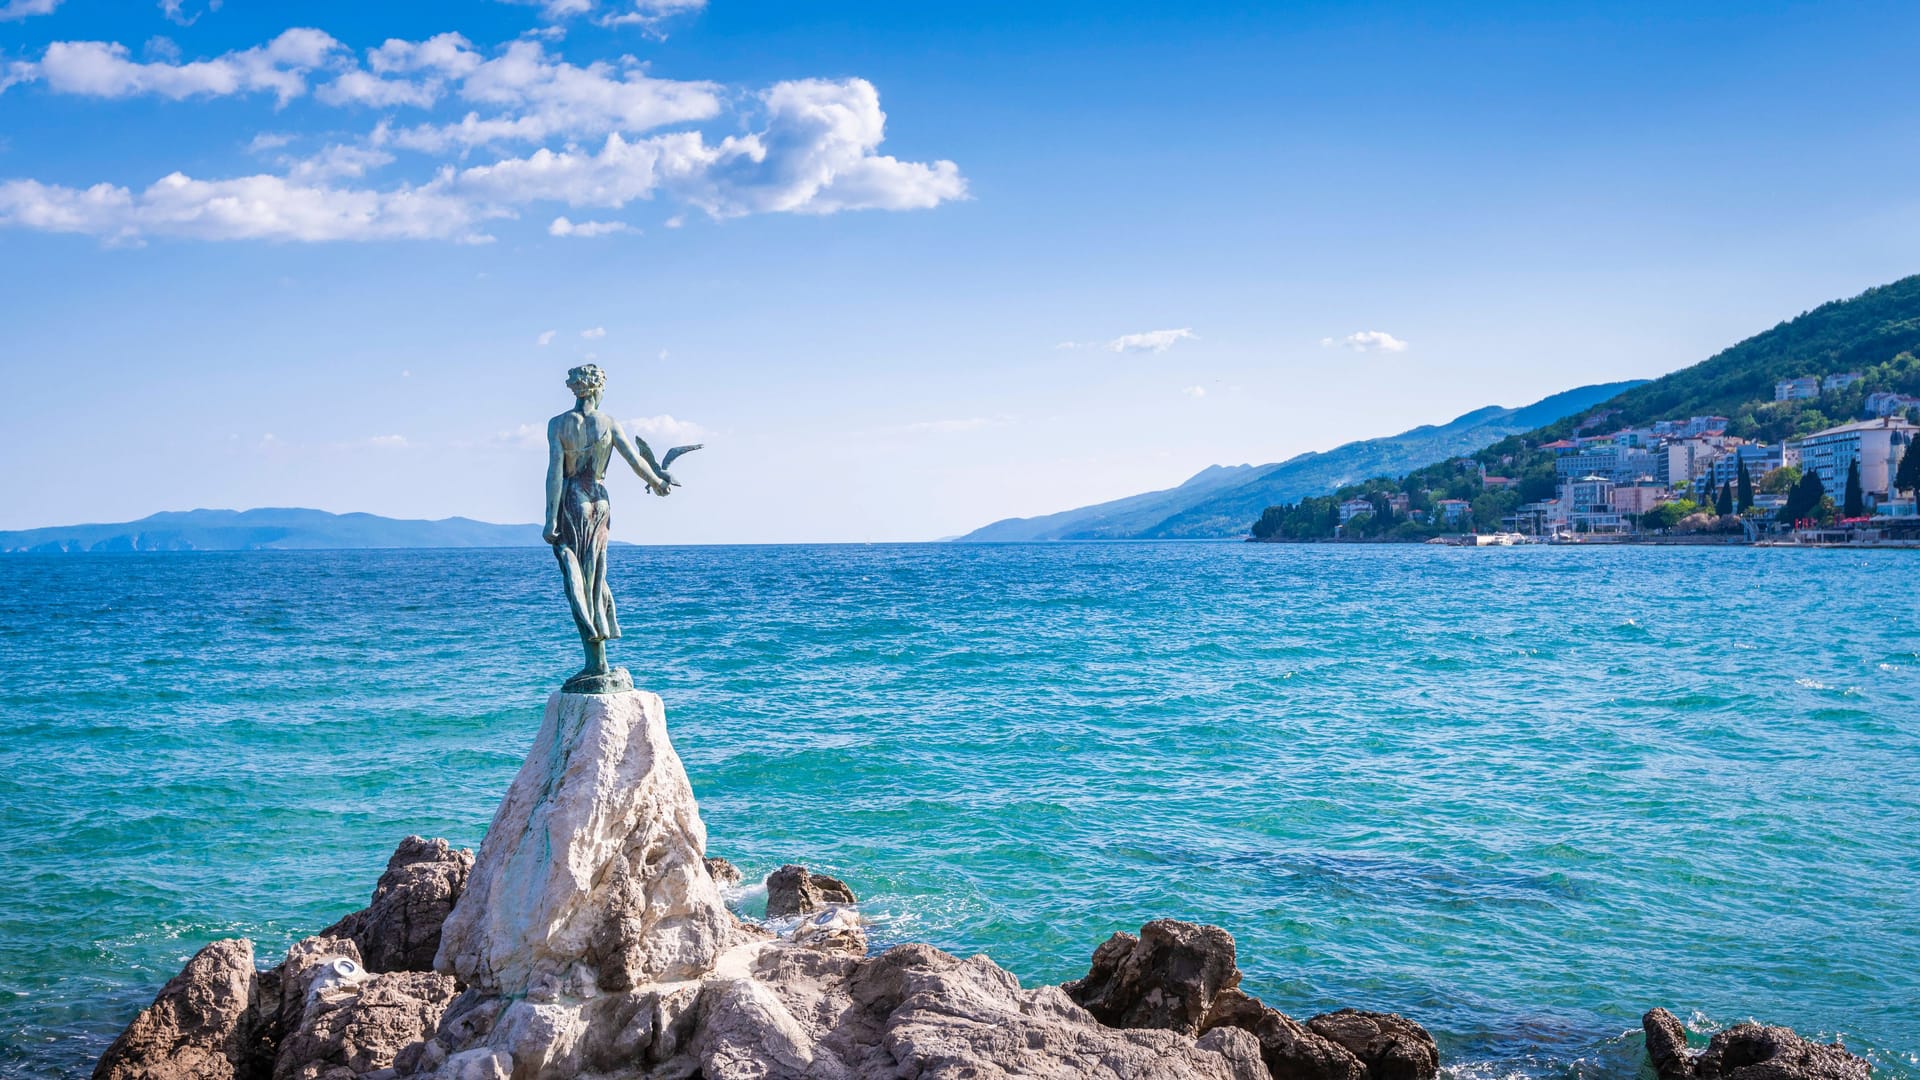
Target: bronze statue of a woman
579, 442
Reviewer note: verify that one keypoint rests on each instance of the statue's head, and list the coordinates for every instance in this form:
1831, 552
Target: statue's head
586, 379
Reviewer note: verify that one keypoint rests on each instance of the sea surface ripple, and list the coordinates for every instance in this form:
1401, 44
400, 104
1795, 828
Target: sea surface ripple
1521, 795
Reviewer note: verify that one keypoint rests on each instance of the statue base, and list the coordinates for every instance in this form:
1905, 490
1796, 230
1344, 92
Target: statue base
611, 681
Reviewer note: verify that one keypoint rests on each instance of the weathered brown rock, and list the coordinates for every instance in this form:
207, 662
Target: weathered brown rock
1166, 978
1667, 1045
724, 873
1290, 1049
1760, 1052
916, 1012
1391, 1046
363, 1026
399, 930
194, 1030
795, 890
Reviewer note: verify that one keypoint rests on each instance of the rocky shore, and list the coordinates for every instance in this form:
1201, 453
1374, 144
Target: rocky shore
589, 938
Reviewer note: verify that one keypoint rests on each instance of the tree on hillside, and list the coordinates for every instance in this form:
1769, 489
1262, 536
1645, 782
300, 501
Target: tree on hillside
1780, 481
1907, 476
1723, 505
1743, 495
1856, 499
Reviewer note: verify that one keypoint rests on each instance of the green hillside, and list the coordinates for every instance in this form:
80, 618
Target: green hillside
1218, 501
1875, 334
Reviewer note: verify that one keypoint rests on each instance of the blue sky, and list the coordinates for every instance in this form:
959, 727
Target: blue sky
905, 268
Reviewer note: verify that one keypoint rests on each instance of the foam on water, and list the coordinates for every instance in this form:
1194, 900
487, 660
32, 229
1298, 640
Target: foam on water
1519, 794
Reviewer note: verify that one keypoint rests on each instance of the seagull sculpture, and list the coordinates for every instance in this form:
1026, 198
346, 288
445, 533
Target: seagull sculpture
661, 466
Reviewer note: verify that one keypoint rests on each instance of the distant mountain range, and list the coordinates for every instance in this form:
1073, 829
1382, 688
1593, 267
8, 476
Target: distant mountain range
255, 530
1220, 500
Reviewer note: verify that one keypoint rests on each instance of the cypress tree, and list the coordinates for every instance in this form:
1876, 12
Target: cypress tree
1804, 497
1907, 476
1855, 504
1743, 495
1724, 504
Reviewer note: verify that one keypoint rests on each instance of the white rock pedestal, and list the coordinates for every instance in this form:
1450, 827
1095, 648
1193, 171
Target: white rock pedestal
591, 876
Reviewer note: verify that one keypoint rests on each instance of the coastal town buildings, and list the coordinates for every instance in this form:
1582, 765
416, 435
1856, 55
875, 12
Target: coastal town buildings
1839, 381
1452, 511
1353, 508
1876, 445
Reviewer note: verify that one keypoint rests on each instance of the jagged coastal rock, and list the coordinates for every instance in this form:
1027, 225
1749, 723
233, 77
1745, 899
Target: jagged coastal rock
795, 890
589, 939
1746, 1051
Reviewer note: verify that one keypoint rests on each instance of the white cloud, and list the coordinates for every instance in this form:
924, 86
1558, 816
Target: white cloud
816, 156
1150, 340
449, 54
102, 69
175, 12
1195, 391
364, 88
24, 9
1367, 341
668, 430
522, 437
649, 14
246, 208
594, 334
811, 146
388, 442
563, 227
14, 72
539, 95
545, 338
645, 13
335, 162
557, 9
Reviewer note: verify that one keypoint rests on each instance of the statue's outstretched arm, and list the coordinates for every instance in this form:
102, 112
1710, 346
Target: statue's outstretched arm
641, 459
556, 458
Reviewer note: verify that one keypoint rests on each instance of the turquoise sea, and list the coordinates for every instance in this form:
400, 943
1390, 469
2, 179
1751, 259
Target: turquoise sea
1521, 795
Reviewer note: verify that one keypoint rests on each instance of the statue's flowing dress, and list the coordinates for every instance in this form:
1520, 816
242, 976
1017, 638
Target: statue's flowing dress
584, 520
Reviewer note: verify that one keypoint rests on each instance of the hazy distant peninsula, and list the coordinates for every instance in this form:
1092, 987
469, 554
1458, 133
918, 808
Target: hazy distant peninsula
1220, 500
268, 529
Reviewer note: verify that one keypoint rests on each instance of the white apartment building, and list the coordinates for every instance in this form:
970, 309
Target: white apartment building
1621, 464
1589, 505
1840, 381
1796, 389
1761, 459
1888, 403
1690, 459
1876, 444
